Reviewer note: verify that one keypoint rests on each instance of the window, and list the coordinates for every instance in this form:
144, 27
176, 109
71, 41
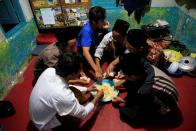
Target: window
11, 14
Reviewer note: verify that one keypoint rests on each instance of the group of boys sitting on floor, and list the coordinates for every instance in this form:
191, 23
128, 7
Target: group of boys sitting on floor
53, 101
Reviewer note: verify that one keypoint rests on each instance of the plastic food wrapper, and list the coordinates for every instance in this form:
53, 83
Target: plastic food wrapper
172, 55
85, 78
162, 22
111, 74
193, 55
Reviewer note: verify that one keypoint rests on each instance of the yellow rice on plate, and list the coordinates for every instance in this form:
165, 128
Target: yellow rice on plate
109, 91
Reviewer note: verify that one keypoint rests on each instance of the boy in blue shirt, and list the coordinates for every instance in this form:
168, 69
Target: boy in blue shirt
88, 36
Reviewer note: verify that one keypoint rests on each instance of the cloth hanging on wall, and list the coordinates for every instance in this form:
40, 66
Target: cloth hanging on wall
119, 2
136, 6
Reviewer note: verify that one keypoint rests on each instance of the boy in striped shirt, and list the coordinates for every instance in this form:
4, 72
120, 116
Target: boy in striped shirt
149, 90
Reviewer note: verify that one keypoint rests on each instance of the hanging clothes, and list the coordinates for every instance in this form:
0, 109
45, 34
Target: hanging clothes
136, 6
119, 2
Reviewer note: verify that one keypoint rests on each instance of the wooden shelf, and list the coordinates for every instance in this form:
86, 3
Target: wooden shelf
66, 14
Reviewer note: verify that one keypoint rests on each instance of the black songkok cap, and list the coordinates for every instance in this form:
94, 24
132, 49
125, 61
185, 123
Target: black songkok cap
121, 26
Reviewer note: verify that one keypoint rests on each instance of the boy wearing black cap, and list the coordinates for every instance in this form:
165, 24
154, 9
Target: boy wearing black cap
136, 43
113, 43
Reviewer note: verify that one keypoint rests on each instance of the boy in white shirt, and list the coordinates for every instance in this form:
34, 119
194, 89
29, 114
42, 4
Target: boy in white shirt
52, 95
113, 43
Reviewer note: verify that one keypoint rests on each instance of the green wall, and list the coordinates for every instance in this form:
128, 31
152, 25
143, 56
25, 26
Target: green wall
15, 50
181, 25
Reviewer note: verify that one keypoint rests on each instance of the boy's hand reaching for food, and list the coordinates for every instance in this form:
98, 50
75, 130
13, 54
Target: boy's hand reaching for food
119, 84
117, 100
100, 94
92, 88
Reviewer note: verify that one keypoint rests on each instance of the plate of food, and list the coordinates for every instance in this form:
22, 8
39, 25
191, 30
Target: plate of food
108, 89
